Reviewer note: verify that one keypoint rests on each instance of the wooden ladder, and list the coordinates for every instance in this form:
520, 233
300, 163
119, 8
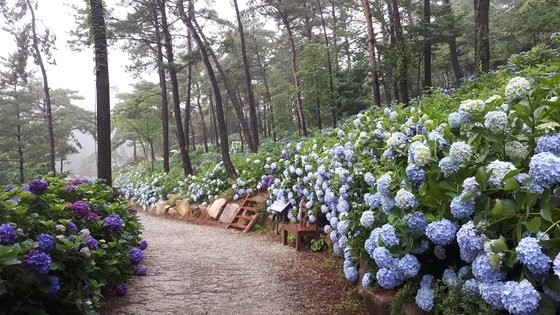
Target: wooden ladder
246, 216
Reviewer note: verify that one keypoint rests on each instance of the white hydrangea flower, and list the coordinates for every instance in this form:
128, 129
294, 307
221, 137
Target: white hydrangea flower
460, 151
517, 87
420, 154
516, 150
472, 106
548, 127
397, 140
499, 171
496, 121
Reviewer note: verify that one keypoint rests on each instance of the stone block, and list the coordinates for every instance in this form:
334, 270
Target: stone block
229, 212
182, 207
216, 208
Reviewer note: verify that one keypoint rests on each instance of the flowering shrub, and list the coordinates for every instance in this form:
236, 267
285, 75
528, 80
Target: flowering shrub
61, 243
470, 185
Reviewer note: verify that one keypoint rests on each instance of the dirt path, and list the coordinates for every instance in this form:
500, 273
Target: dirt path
196, 269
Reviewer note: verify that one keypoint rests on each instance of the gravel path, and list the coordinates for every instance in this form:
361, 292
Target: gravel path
196, 269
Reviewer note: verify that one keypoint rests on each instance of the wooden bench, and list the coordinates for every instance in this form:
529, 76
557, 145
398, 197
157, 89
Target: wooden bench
300, 230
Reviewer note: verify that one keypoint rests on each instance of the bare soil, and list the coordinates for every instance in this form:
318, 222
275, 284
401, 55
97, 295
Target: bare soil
199, 267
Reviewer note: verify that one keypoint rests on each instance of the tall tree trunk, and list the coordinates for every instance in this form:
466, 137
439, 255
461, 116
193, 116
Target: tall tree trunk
237, 106
98, 30
371, 51
61, 164
46, 92
318, 104
401, 48
482, 47
164, 99
204, 136
19, 141
187, 167
267, 95
393, 43
453, 55
214, 122
134, 153
427, 46
253, 145
224, 144
344, 17
192, 134
299, 101
334, 104
187, 119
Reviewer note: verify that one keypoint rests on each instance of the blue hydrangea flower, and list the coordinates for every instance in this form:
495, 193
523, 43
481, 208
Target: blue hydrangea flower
425, 295
463, 271
121, 289
462, 209
387, 203
136, 256
383, 258
45, 242
415, 222
460, 152
334, 236
384, 184
456, 119
367, 219
556, 264
367, 279
548, 143
450, 278
113, 222
544, 168
470, 287
389, 235
470, 243
343, 205
491, 293
369, 179
415, 174
54, 284
448, 166
426, 280
439, 252
483, 270
38, 261
38, 186
520, 297
8, 235
422, 247
531, 256
405, 199
409, 266
470, 185
373, 201
387, 278
496, 121
342, 227
441, 232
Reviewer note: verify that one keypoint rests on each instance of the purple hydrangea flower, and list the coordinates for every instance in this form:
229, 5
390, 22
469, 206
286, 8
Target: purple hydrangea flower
133, 210
8, 235
441, 232
38, 186
121, 289
91, 242
113, 222
46, 242
54, 284
81, 208
9, 188
140, 270
143, 244
71, 227
136, 256
520, 297
38, 261
530, 255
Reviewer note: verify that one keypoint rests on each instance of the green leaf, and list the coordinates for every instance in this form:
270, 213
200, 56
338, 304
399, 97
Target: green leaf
546, 306
534, 224
495, 260
8, 261
498, 208
553, 283
510, 260
511, 184
481, 177
499, 245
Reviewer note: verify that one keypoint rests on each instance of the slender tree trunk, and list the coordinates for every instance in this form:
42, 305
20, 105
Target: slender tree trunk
334, 104
393, 43
164, 99
318, 105
134, 153
61, 164
237, 106
224, 144
187, 119
371, 51
335, 35
214, 122
482, 47
204, 136
268, 95
299, 101
192, 134
250, 97
187, 167
403, 60
97, 14
46, 92
427, 46
19, 141
344, 16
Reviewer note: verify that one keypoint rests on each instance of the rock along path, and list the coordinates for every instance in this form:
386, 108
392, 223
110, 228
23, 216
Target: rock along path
196, 269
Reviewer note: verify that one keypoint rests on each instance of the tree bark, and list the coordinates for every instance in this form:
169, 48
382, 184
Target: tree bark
214, 122
187, 119
102, 87
185, 159
46, 92
402, 67
164, 99
224, 144
204, 136
427, 47
334, 104
268, 95
19, 140
371, 51
253, 145
482, 47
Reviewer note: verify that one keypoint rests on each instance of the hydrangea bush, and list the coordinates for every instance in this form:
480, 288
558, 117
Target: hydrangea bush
62, 242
